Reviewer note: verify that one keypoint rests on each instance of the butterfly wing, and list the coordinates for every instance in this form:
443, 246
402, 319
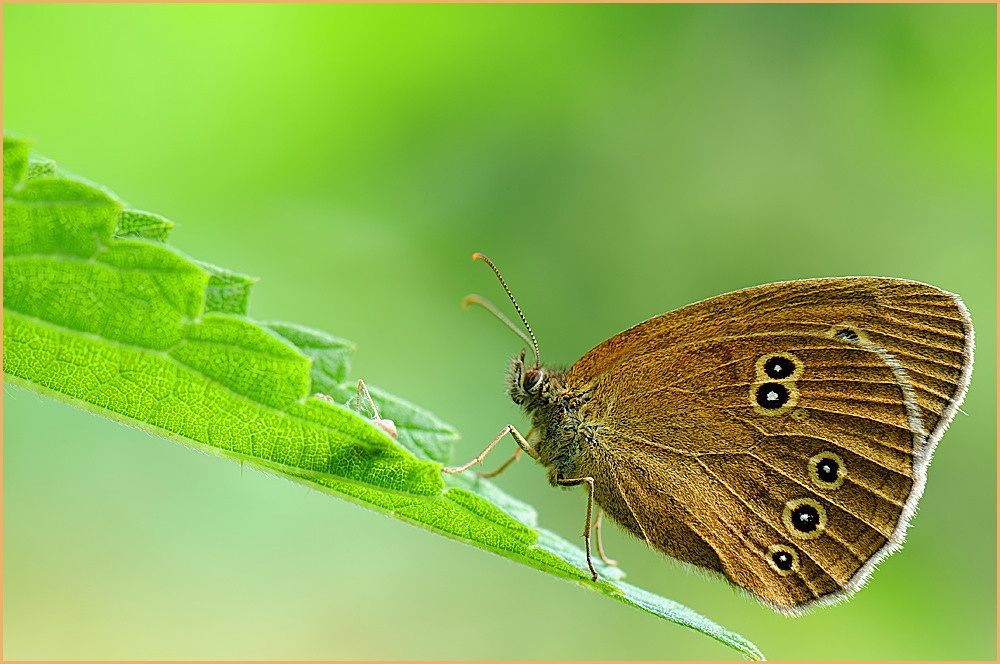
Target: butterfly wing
789, 456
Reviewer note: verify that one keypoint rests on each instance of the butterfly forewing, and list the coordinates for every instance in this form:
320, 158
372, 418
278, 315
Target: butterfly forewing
925, 328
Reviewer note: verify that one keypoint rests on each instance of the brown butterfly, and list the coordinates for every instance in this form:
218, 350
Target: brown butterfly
778, 435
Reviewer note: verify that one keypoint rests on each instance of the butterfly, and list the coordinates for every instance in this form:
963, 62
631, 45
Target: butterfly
778, 435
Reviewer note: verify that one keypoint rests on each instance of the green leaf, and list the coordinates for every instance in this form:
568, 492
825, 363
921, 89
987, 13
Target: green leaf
228, 291
100, 312
145, 225
40, 167
330, 355
15, 162
249, 360
55, 216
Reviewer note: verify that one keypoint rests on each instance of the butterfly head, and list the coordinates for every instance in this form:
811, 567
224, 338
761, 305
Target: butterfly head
531, 385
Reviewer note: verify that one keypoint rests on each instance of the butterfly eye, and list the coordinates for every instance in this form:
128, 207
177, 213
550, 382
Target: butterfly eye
532, 379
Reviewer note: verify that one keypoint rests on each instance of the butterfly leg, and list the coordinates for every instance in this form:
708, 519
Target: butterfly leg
600, 544
509, 429
514, 457
590, 514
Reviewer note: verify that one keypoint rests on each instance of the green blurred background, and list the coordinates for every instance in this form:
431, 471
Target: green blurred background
616, 162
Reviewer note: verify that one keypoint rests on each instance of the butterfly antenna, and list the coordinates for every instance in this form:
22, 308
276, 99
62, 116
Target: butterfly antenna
486, 304
478, 300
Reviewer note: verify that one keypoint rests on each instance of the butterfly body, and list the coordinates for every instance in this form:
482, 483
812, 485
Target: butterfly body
777, 435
